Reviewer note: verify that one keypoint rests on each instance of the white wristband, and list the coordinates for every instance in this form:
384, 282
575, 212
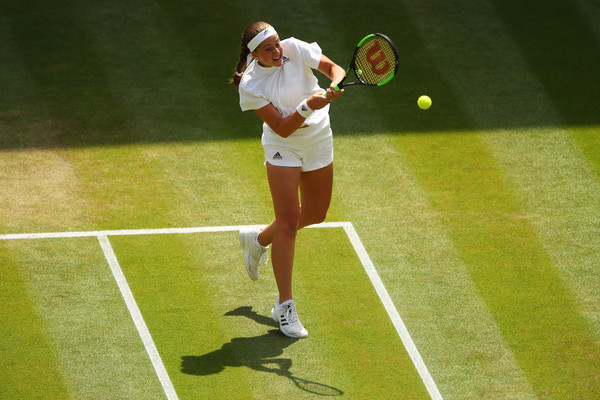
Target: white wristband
304, 110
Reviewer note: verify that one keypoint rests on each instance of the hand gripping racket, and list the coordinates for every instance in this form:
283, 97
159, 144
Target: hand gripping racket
374, 63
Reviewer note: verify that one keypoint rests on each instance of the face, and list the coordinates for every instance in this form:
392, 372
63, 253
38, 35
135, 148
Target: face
269, 53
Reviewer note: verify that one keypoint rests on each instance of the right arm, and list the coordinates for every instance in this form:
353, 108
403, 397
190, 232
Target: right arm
284, 127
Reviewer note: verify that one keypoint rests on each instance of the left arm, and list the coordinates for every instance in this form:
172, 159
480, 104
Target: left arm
333, 72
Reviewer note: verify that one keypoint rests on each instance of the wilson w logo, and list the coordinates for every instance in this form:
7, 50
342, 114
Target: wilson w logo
375, 56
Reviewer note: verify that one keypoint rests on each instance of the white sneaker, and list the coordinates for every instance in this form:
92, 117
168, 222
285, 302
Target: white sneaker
254, 253
289, 323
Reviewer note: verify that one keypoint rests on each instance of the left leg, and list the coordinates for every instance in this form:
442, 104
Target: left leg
315, 195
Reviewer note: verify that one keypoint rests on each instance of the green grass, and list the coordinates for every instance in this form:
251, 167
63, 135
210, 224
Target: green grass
537, 315
193, 303
81, 315
20, 332
481, 214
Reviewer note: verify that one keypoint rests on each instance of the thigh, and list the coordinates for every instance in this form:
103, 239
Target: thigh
315, 190
284, 182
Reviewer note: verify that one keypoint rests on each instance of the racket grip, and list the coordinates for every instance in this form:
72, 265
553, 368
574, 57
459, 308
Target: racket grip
337, 87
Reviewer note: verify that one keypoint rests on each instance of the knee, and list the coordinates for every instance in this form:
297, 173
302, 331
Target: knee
316, 217
320, 217
288, 226
288, 229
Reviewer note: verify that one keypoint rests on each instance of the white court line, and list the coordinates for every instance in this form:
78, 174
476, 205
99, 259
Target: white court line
138, 320
163, 231
368, 265
385, 298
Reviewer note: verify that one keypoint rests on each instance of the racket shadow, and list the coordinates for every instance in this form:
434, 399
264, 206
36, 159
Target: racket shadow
260, 353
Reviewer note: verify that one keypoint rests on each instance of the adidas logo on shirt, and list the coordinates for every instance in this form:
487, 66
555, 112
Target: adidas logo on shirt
277, 156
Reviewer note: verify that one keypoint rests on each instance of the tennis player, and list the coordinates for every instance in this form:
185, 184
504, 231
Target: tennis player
275, 79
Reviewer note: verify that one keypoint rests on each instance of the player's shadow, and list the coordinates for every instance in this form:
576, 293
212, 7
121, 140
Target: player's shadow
261, 353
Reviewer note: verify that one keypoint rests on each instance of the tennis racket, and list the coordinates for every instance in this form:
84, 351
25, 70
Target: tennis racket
374, 63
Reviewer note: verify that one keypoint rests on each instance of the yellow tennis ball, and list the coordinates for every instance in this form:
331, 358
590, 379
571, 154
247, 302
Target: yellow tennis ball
424, 102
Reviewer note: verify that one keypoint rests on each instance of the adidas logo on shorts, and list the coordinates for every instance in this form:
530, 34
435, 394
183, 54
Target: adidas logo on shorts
277, 156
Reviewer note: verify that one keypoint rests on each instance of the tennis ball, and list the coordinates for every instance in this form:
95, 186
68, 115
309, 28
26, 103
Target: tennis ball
359, 71
424, 102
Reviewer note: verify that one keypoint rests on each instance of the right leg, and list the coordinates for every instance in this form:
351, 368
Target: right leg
281, 233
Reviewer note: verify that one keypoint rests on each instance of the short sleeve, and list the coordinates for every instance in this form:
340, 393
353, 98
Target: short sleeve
250, 101
310, 53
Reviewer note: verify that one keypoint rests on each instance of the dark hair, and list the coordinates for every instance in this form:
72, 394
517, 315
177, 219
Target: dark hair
251, 30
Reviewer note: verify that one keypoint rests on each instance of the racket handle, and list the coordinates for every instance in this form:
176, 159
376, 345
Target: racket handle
338, 87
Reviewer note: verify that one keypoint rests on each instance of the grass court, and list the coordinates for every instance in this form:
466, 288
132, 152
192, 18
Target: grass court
479, 216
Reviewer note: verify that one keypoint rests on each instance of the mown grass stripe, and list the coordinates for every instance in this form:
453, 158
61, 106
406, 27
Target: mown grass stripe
590, 12
160, 90
138, 320
588, 141
24, 121
561, 51
28, 365
71, 85
429, 283
96, 345
561, 194
536, 313
184, 288
392, 312
347, 322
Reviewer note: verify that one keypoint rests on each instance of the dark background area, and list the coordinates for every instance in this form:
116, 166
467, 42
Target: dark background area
80, 73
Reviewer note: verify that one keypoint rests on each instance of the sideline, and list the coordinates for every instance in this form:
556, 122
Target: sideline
138, 320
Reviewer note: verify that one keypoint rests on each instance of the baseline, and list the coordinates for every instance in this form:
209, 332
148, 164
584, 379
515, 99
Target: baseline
159, 231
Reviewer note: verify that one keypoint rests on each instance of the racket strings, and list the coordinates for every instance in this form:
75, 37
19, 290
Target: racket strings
375, 61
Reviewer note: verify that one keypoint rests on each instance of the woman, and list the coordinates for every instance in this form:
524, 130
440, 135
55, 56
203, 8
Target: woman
275, 79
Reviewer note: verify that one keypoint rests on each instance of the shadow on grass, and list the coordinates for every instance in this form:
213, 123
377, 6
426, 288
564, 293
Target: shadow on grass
261, 353
114, 73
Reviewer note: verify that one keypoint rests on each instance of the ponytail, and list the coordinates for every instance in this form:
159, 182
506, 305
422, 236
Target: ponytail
241, 66
251, 30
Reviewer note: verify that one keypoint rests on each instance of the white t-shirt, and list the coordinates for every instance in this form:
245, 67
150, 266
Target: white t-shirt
286, 86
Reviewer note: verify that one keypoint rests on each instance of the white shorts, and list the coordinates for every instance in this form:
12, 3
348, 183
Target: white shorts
309, 151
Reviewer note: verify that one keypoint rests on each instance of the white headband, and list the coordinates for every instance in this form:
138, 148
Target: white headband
260, 37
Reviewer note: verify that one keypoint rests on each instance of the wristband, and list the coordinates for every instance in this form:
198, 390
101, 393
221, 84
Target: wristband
304, 110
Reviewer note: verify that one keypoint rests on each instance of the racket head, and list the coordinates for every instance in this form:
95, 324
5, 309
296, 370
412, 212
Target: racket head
375, 60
